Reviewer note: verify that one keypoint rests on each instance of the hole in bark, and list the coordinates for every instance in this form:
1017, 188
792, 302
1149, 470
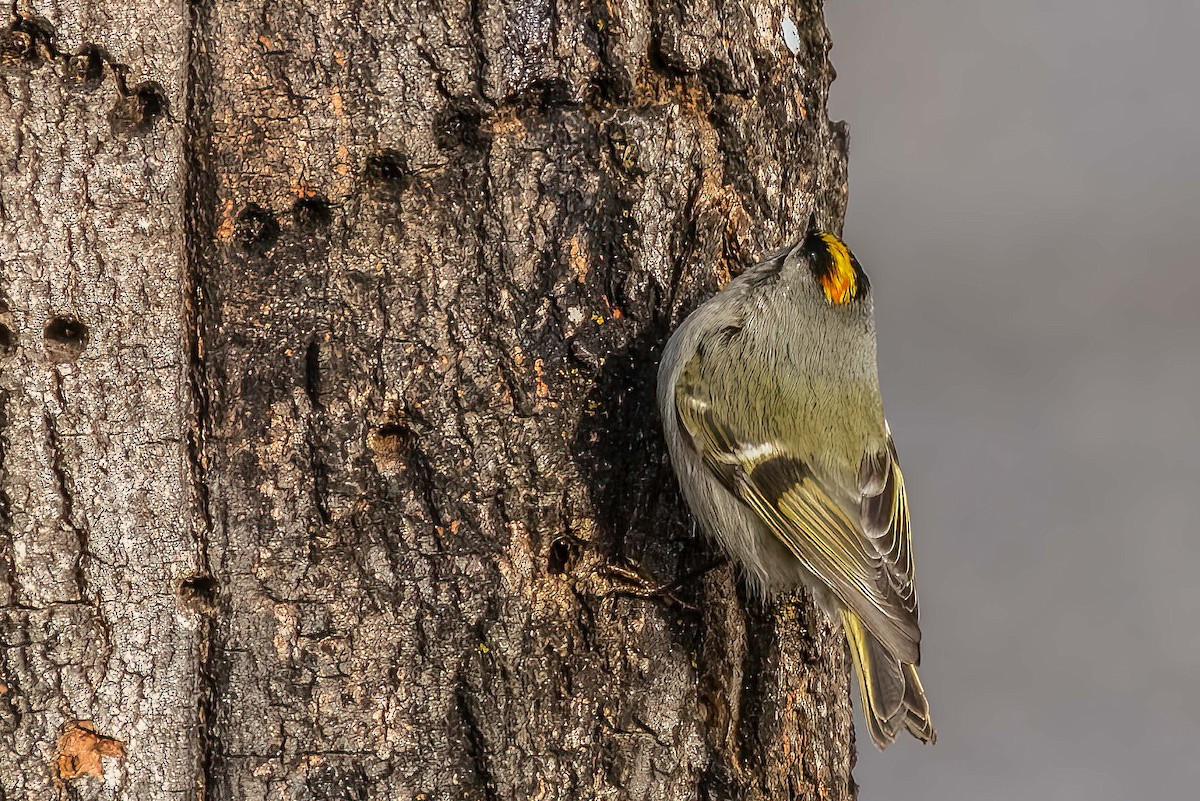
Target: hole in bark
255, 229
8, 340
28, 42
138, 109
561, 552
312, 212
460, 126
199, 592
391, 443
17, 48
66, 338
389, 168
390, 438
86, 67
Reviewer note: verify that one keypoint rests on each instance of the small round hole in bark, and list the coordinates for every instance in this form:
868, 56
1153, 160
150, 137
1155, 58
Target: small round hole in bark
8, 340
391, 444
29, 41
389, 168
138, 109
559, 558
199, 592
255, 229
460, 126
311, 213
390, 439
86, 67
16, 48
66, 338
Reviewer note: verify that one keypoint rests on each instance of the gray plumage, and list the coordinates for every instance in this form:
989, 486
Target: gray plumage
774, 422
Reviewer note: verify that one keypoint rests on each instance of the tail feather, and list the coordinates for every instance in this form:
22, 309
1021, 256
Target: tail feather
890, 690
916, 707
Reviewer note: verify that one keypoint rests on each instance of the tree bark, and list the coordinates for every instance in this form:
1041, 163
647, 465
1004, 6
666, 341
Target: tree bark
329, 461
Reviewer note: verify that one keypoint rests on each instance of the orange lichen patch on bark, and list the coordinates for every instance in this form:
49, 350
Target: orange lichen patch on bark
342, 164
80, 751
302, 189
542, 390
228, 223
655, 87
578, 259
507, 122
800, 105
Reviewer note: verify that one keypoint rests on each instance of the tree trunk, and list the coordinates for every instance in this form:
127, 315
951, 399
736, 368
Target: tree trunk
329, 461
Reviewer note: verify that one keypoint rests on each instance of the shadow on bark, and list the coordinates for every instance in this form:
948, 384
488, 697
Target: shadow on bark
647, 535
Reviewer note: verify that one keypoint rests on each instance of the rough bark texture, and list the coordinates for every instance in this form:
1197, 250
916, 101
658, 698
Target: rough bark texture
329, 463
95, 501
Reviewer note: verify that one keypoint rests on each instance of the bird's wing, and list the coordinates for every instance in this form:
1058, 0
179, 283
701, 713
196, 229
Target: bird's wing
860, 547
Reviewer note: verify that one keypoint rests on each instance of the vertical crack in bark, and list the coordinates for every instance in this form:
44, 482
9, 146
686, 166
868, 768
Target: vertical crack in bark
680, 262
200, 206
320, 476
476, 745
479, 41
84, 557
8, 557
316, 424
312, 374
63, 484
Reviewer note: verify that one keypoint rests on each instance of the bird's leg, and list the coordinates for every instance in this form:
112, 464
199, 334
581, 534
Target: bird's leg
690, 576
648, 589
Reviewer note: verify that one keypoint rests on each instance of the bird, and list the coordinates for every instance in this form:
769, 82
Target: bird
773, 418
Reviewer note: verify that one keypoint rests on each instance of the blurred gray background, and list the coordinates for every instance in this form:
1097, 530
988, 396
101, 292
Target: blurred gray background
1025, 196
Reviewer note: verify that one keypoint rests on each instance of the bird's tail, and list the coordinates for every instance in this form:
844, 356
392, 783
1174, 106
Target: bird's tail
891, 692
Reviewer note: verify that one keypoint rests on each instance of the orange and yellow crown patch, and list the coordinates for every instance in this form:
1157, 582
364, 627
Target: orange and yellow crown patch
839, 273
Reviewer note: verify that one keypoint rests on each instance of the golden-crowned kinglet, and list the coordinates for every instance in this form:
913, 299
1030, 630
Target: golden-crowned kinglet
771, 408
